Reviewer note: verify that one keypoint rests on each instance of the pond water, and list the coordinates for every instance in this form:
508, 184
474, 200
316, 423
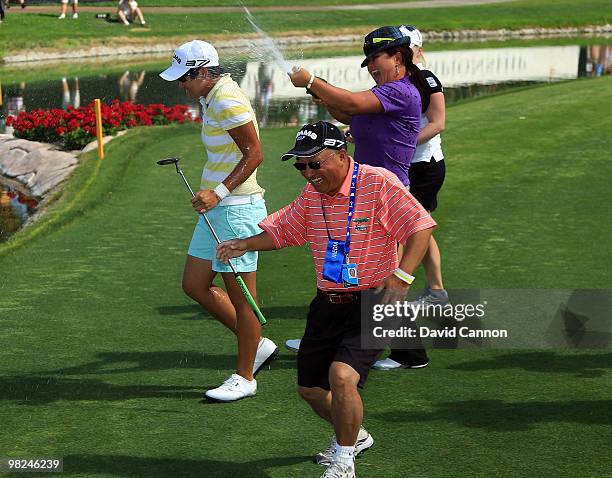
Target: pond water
465, 73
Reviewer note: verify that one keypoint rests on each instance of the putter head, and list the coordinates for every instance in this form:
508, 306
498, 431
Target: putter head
164, 162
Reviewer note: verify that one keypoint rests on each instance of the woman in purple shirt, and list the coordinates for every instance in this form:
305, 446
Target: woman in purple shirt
385, 120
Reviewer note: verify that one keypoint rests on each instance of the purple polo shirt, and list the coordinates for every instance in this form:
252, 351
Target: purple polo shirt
389, 139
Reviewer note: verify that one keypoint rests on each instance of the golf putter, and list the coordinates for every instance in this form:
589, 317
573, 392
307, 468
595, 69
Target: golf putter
243, 287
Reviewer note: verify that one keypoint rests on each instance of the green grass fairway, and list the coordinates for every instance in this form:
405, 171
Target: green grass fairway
103, 359
44, 31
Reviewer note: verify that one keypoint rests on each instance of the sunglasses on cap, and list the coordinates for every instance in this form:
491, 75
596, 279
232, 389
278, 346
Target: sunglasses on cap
312, 164
190, 75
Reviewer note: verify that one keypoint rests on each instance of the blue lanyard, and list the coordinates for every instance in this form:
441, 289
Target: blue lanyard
352, 199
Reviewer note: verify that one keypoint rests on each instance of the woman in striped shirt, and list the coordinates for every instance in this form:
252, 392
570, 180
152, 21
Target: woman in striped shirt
233, 202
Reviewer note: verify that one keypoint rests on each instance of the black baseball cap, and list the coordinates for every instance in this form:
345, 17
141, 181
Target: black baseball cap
384, 38
315, 137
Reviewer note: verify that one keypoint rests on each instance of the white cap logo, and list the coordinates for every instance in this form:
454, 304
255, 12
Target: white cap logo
306, 133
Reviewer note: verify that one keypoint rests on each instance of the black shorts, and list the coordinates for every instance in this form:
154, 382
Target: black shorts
426, 178
333, 334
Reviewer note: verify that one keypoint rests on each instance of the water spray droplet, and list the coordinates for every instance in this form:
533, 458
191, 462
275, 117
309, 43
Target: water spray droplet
268, 44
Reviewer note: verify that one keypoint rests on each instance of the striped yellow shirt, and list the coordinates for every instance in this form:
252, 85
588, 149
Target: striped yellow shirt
224, 108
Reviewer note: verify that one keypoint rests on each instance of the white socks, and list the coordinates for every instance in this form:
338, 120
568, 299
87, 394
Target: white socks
345, 454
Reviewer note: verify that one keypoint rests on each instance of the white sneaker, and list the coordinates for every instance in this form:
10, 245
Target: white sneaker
386, 364
430, 297
339, 470
75, 15
266, 353
390, 364
364, 442
62, 16
293, 345
234, 388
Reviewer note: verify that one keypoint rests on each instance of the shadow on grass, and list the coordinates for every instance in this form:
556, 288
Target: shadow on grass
37, 390
582, 365
290, 313
496, 415
131, 466
126, 362
195, 312
53, 385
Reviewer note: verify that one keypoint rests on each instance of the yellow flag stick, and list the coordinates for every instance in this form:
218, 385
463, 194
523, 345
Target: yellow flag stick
98, 109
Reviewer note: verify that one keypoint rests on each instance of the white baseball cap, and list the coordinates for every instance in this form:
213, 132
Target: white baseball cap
416, 38
193, 54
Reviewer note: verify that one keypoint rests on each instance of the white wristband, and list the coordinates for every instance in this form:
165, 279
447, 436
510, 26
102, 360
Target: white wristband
403, 275
221, 191
310, 82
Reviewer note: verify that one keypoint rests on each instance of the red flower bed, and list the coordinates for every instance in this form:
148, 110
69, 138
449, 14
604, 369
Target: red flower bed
77, 127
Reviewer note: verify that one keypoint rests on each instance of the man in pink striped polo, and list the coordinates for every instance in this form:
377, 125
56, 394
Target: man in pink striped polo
352, 216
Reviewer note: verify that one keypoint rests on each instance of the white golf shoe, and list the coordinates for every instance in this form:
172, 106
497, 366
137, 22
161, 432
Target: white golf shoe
293, 345
364, 442
339, 470
266, 353
234, 388
386, 364
390, 364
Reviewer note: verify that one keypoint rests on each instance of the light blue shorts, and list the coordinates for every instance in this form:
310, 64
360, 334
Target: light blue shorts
230, 222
